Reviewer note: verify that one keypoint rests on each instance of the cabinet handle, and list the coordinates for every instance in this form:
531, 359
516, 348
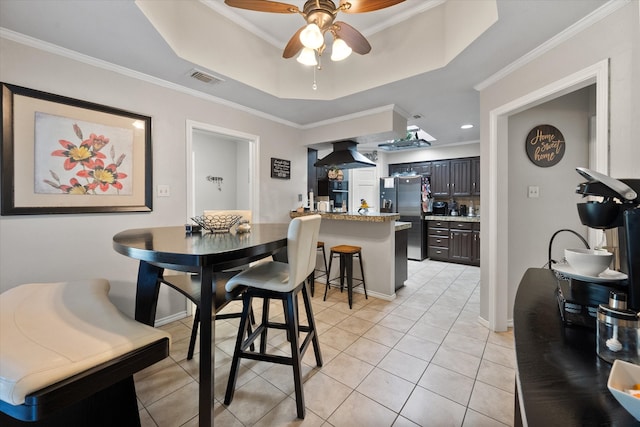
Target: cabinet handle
451, 236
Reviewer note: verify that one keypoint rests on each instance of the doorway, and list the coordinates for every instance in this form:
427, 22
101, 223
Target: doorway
222, 170
495, 238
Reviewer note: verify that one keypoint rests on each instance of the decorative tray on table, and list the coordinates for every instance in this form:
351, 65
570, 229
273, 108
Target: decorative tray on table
217, 223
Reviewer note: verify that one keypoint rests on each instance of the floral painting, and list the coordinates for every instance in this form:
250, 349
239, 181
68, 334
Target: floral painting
77, 157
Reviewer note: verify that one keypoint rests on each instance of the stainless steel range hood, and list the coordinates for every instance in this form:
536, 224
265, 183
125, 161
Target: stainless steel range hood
345, 156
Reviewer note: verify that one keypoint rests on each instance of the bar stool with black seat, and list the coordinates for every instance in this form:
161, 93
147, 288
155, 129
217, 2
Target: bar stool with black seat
346, 254
283, 281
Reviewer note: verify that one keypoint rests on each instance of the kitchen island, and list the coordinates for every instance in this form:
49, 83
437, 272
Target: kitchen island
380, 235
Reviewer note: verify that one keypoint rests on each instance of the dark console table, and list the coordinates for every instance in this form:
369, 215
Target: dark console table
560, 380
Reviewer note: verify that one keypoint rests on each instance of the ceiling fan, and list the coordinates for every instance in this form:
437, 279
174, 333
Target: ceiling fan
320, 16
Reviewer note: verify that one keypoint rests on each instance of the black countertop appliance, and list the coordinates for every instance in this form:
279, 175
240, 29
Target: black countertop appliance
440, 208
619, 209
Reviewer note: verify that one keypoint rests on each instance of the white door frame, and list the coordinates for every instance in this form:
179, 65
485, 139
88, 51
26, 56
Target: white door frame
254, 172
254, 164
496, 260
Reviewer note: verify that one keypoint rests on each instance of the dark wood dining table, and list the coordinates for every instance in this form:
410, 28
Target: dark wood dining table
205, 254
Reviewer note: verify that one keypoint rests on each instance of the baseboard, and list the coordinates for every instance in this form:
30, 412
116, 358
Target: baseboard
176, 316
485, 323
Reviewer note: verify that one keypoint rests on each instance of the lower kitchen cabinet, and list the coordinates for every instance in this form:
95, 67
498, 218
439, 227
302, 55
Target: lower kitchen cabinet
460, 242
454, 241
475, 254
438, 240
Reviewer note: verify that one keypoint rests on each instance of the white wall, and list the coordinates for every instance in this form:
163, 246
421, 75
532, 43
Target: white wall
532, 221
616, 38
67, 247
217, 157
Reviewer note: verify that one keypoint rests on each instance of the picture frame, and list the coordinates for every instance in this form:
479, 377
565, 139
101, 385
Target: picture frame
280, 168
61, 155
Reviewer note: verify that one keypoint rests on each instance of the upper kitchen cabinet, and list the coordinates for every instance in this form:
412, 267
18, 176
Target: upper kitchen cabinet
460, 177
449, 178
422, 168
440, 178
418, 168
475, 176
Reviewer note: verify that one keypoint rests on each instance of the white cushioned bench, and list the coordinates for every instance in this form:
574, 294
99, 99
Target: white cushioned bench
61, 344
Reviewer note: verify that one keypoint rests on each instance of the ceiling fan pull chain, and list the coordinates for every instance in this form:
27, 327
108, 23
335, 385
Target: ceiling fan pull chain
314, 86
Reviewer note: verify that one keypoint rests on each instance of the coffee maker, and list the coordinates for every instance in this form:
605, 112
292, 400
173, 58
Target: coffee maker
579, 298
619, 209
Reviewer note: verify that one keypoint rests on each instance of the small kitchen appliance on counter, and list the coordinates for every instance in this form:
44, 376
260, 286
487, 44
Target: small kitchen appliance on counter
580, 298
617, 332
440, 208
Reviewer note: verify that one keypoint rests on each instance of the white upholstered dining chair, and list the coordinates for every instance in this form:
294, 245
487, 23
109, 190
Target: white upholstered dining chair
283, 281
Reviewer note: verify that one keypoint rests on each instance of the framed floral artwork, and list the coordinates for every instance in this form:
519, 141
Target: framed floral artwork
62, 155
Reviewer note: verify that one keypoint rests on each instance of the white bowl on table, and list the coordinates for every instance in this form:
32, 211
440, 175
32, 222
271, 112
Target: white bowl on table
588, 262
624, 376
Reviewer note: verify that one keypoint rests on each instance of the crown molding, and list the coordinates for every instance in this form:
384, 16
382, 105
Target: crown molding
595, 16
98, 63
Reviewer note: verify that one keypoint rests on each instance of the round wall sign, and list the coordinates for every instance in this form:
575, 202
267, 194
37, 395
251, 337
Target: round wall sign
545, 145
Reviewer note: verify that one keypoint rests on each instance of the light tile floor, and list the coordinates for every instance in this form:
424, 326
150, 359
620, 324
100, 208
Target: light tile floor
420, 360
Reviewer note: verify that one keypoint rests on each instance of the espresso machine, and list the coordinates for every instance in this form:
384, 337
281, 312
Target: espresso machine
579, 299
619, 209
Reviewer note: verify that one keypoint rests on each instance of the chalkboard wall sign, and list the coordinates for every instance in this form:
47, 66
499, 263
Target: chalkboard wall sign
545, 145
280, 168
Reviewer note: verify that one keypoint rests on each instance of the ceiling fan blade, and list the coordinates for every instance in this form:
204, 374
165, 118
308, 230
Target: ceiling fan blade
294, 46
356, 41
263, 6
361, 6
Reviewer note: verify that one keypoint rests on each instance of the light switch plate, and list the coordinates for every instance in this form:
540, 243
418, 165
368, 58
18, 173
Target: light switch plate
534, 192
164, 191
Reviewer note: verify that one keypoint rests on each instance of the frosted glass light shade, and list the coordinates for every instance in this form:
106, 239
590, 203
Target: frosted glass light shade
307, 57
312, 37
340, 50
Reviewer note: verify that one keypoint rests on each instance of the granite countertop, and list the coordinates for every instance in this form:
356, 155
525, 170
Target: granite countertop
401, 225
351, 216
452, 218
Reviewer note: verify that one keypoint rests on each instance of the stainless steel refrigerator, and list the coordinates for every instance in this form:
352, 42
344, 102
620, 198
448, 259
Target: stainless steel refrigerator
409, 196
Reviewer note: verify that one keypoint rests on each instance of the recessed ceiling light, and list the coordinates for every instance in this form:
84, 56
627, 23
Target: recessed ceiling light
466, 126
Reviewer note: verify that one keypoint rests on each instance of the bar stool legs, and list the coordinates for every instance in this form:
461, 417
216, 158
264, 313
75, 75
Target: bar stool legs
325, 273
346, 254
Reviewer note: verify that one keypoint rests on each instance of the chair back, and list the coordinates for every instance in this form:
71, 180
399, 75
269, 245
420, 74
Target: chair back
245, 214
302, 239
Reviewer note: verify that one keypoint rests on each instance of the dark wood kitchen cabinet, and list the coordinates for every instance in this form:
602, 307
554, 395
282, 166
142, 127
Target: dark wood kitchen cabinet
449, 177
440, 178
417, 168
475, 254
454, 241
438, 240
460, 242
460, 177
475, 176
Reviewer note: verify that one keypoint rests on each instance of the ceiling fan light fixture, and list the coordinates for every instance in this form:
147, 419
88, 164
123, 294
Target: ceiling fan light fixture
307, 57
311, 37
340, 50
